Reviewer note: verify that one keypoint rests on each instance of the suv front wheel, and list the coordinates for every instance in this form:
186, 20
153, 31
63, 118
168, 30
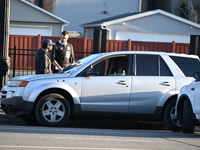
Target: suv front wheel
52, 110
169, 118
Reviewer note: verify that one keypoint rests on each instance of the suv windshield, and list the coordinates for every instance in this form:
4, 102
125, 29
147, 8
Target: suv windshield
72, 67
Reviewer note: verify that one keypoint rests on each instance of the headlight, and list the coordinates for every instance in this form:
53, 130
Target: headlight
17, 83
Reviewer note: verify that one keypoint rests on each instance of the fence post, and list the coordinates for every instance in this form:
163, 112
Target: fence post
84, 45
14, 60
129, 44
173, 46
39, 41
99, 40
4, 41
194, 45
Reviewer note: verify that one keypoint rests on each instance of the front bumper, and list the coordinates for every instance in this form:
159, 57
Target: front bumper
16, 106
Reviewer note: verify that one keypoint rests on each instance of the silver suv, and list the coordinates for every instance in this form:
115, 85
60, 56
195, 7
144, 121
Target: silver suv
135, 84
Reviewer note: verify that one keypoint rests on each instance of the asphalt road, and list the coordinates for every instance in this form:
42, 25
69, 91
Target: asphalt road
94, 135
15, 137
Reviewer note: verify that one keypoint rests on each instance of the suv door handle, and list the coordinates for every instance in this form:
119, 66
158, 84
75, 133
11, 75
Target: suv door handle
121, 82
165, 83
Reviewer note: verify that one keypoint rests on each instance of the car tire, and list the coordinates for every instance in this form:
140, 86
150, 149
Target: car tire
52, 110
169, 118
188, 121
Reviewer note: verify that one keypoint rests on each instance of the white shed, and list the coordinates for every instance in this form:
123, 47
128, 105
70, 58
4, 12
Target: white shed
156, 25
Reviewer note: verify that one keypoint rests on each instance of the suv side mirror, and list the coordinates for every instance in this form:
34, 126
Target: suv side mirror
91, 72
196, 75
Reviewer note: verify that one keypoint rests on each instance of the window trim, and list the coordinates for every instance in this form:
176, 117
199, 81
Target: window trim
159, 57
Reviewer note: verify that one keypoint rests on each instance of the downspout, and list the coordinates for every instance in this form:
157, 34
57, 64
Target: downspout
109, 31
63, 26
140, 6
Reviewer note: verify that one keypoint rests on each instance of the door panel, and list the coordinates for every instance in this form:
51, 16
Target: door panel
152, 81
196, 89
147, 91
106, 93
109, 90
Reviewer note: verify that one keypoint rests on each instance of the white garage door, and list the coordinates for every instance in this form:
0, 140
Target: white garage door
152, 37
30, 30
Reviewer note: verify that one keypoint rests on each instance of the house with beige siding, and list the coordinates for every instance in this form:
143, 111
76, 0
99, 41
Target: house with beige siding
78, 12
29, 19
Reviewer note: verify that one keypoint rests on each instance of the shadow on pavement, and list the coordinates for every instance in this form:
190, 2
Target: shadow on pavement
94, 123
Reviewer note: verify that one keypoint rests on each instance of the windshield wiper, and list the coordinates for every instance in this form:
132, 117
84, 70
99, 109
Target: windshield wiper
72, 65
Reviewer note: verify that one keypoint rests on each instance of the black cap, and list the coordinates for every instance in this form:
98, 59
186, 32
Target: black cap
47, 42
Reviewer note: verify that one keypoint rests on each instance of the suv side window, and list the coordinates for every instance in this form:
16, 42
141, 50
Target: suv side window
146, 65
187, 65
114, 66
151, 65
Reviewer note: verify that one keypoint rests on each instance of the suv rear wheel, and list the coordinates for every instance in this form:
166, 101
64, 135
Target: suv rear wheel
52, 110
169, 118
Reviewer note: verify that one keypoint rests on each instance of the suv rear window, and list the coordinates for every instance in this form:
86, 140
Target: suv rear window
187, 65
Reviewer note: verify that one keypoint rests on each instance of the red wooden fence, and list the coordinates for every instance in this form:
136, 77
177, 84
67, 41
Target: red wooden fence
82, 45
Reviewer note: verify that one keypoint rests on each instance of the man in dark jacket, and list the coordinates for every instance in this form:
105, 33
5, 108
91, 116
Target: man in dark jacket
63, 54
43, 59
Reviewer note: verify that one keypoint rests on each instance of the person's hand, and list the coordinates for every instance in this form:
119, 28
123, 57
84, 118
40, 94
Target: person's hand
60, 69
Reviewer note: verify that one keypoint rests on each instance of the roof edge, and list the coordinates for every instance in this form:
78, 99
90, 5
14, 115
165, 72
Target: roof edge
144, 14
153, 12
44, 11
92, 25
178, 18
